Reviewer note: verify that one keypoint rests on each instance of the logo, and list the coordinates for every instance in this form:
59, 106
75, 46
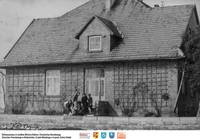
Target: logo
111, 135
95, 135
121, 135
103, 135
84, 135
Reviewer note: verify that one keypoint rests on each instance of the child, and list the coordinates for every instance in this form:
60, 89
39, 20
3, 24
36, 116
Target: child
68, 107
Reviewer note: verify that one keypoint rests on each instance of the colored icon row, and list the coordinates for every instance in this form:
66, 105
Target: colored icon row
103, 135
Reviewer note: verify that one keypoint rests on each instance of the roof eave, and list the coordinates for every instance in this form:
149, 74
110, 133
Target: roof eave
78, 61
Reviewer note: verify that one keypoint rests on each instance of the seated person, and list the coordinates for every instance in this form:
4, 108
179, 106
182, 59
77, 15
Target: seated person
68, 107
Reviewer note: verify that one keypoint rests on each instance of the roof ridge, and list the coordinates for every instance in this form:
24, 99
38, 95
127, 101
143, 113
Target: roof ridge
82, 5
176, 5
66, 13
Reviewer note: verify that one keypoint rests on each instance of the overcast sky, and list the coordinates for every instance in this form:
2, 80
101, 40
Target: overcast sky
15, 15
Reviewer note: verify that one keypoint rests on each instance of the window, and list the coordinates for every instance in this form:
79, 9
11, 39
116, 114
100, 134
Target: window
53, 82
95, 84
95, 43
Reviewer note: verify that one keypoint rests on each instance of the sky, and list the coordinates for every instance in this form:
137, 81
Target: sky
16, 15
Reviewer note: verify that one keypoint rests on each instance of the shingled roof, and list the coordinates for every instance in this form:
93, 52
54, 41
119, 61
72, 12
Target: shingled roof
149, 33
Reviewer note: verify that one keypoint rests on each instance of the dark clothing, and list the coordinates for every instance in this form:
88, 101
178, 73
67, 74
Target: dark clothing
90, 101
84, 101
75, 98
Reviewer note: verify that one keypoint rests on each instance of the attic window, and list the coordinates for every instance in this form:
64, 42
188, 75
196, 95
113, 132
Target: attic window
95, 43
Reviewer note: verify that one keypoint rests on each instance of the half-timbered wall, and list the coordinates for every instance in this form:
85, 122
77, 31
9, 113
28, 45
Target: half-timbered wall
145, 85
136, 84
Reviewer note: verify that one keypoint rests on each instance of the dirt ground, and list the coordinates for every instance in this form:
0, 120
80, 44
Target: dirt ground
33, 122
40, 122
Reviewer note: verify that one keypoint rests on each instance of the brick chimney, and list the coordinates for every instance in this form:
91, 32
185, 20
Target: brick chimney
109, 4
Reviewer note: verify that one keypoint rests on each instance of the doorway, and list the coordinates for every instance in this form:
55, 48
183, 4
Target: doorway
95, 84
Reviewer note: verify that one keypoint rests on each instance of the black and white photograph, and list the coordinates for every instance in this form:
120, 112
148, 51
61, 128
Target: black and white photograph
99, 65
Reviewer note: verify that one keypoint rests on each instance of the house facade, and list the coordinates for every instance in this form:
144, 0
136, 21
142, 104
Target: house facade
124, 53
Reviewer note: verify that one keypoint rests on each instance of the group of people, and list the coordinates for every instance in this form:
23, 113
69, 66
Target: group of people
79, 105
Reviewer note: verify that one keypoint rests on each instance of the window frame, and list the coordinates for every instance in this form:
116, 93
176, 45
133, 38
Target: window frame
46, 94
89, 46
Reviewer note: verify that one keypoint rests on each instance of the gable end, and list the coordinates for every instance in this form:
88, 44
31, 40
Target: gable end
107, 24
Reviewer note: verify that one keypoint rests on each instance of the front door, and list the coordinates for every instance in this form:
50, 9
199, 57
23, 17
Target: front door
95, 84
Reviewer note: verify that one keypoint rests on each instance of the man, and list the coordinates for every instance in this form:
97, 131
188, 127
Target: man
84, 101
90, 103
76, 102
77, 93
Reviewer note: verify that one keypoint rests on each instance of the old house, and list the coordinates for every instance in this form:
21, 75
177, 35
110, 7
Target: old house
124, 53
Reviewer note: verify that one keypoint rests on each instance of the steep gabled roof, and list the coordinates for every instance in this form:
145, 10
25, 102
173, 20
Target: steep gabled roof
149, 33
108, 24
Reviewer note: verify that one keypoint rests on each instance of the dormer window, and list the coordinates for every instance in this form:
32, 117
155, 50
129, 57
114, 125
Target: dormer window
95, 43
99, 35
